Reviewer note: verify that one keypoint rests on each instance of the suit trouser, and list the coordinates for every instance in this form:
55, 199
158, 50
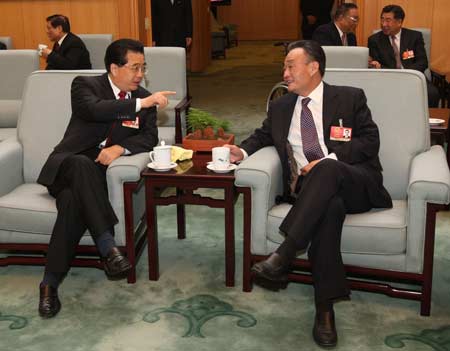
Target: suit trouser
82, 202
327, 193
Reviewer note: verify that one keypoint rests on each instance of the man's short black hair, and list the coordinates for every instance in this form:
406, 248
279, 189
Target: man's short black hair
343, 9
398, 12
313, 50
117, 51
59, 20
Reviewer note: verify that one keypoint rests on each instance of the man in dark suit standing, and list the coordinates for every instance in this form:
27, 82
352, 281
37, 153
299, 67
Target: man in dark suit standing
69, 51
328, 146
397, 47
112, 115
339, 32
314, 13
172, 23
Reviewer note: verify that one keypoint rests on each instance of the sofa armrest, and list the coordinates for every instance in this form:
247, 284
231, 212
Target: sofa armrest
429, 178
263, 174
11, 165
127, 168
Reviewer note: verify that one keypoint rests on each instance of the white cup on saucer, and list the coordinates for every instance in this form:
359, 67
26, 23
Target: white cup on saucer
221, 158
160, 156
40, 48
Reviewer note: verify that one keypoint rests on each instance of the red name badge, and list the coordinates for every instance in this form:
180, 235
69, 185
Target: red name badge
340, 133
131, 124
408, 54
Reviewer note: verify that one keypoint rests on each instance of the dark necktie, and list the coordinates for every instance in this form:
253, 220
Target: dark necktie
56, 47
398, 63
310, 140
122, 95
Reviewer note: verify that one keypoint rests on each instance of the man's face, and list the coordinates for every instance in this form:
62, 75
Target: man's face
390, 25
350, 20
129, 76
54, 34
299, 72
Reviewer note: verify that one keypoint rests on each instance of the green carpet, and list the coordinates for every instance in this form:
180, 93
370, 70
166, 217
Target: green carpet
189, 308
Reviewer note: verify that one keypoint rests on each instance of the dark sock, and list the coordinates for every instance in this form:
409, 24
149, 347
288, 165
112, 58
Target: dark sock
105, 242
324, 306
53, 279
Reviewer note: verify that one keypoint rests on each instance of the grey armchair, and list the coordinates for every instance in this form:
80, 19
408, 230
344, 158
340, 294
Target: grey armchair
96, 45
346, 56
27, 211
167, 71
381, 245
15, 67
7, 41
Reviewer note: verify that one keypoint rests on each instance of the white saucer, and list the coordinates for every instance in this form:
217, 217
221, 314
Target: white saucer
230, 168
436, 121
161, 169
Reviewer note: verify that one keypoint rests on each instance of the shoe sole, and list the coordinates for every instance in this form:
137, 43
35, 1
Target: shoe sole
271, 285
119, 276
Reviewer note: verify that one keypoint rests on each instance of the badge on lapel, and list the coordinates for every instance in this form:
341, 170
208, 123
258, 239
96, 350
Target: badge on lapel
340, 133
131, 124
407, 54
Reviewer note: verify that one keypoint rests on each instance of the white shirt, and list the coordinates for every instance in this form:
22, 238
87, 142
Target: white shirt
295, 136
62, 39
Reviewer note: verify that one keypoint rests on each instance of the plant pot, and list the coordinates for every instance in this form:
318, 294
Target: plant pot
206, 144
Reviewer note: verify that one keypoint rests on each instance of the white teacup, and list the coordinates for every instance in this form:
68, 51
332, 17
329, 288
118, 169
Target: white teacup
40, 48
221, 157
160, 156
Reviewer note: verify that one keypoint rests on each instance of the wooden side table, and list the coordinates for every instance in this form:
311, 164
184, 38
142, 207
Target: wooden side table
186, 178
440, 134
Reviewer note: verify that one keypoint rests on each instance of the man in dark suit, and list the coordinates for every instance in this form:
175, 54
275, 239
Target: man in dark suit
314, 13
111, 116
397, 47
328, 146
69, 51
2, 46
172, 23
339, 32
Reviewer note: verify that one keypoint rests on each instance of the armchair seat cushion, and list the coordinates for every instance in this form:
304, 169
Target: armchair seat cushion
6, 133
379, 231
9, 112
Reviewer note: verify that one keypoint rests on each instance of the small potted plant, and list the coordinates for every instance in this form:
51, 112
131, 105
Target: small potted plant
207, 131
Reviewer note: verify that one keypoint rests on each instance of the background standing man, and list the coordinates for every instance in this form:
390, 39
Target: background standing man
315, 13
325, 176
397, 47
69, 51
112, 115
172, 23
339, 32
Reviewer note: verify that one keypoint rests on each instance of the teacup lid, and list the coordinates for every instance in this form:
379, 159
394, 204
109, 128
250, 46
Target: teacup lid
163, 145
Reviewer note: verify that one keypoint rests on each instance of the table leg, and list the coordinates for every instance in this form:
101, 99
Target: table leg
229, 236
181, 218
152, 232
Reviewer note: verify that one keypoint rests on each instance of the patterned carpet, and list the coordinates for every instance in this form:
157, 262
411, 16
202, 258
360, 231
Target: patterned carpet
189, 308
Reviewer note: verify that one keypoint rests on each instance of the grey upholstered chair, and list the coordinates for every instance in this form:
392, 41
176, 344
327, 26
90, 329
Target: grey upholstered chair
27, 211
346, 56
15, 67
383, 244
96, 45
167, 71
7, 41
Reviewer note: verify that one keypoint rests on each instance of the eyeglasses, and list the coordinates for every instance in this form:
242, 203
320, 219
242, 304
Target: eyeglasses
353, 19
136, 68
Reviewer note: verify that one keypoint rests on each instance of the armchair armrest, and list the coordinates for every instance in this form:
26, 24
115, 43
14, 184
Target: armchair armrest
11, 165
261, 172
429, 178
127, 168
183, 105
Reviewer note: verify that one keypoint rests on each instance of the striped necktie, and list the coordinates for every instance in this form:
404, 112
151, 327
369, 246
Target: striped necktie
310, 140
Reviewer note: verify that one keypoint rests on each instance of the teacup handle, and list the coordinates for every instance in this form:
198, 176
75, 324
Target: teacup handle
152, 157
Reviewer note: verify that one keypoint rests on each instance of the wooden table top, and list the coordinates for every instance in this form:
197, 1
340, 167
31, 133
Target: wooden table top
442, 113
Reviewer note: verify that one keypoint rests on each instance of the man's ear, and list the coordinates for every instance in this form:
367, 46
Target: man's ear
313, 68
113, 69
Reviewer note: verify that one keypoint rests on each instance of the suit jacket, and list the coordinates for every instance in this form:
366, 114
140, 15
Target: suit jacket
320, 9
72, 54
328, 34
346, 103
2, 46
94, 112
380, 49
172, 23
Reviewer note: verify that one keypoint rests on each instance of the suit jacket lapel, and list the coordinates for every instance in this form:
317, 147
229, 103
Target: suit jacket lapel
329, 109
107, 90
286, 115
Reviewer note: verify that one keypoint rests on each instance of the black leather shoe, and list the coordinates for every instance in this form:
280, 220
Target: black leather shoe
116, 264
271, 274
324, 331
49, 304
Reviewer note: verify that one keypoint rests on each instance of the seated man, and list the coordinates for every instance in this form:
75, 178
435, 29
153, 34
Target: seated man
340, 32
112, 115
327, 173
397, 47
69, 51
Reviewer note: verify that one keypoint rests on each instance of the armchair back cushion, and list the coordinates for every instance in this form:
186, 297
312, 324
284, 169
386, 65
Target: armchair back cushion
96, 45
346, 56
